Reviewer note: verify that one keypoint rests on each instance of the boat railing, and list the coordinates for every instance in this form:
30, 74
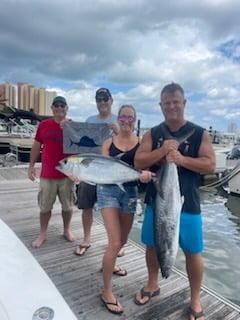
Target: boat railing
24, 129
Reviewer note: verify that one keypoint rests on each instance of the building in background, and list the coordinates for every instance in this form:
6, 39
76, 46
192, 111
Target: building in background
44, 101
27, 97
8, 93
37, 100
233, 128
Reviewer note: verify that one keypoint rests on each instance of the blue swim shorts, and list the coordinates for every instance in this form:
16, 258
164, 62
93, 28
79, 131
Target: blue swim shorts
190, 235
111, 196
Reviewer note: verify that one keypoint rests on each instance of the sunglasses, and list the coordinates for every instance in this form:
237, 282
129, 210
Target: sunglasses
128, 119
59, 105
105, 99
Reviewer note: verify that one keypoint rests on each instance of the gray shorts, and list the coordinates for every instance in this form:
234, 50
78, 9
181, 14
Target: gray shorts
86, 195
51, 188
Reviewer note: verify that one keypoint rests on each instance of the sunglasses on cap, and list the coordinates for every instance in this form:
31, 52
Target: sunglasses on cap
105, 99
59, 105
128, 119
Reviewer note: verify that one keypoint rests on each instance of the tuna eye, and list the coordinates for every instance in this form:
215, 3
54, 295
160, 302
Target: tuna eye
65, 161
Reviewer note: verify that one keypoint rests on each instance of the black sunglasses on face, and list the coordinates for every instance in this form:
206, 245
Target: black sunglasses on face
105, 99
59, 105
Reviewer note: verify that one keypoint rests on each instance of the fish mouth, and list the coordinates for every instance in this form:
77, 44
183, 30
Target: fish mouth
67, 174
59, 168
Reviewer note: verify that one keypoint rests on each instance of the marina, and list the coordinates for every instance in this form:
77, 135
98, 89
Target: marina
79, 279
227, 172
15, 150
15, 146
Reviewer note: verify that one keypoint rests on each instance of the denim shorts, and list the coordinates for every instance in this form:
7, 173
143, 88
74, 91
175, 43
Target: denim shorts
111, 196
190, 233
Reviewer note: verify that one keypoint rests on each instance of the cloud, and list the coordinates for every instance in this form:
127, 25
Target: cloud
132, 47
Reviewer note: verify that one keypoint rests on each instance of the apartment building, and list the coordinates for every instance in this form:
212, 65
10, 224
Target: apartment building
27, 97
8, 93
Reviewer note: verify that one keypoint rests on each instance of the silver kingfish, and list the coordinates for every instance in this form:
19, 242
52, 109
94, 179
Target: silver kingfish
167, 209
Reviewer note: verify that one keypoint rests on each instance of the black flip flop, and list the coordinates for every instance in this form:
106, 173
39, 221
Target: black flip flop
148, 294
107, 304
79, 248
120, 271
194, 314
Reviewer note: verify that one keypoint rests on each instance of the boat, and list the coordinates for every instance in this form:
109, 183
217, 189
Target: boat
4, 145
21, 148
229, 181
226, 150
28, 291
234, 185
17, 143
232, 204
234, 154
5, 140
15, 150
17, 140
221, 160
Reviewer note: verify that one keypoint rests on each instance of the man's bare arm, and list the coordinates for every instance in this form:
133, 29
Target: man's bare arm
145, 157
204, 163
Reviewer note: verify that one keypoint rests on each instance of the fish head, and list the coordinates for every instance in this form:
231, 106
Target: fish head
74, 165
68, 165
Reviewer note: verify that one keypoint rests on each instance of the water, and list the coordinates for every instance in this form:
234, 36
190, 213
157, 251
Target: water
221, 219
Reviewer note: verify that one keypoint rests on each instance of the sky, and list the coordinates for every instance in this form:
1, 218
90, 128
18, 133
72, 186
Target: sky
133, 48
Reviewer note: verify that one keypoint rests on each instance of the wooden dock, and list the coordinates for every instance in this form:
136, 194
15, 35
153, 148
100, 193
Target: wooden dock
79, 278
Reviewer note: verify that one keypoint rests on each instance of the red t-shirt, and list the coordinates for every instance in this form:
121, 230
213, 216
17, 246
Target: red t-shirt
50, 135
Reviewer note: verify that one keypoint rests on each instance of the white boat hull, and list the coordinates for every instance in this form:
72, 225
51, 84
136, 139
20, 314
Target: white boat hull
234, 184
25, 287
221, 161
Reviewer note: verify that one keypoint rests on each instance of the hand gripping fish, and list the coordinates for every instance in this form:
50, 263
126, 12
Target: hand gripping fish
97, 169
167, 209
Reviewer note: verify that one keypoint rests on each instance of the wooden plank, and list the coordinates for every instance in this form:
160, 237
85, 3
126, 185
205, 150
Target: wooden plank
79, 279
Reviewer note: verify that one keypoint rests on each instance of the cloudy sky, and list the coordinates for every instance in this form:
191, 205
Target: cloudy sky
132, 47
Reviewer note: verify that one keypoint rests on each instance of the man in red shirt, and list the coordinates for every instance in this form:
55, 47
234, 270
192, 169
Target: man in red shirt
49, 138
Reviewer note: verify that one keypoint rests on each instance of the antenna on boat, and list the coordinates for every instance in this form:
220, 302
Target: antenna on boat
138, 127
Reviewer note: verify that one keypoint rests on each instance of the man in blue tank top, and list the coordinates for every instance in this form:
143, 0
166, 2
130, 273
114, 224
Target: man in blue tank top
191, 159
